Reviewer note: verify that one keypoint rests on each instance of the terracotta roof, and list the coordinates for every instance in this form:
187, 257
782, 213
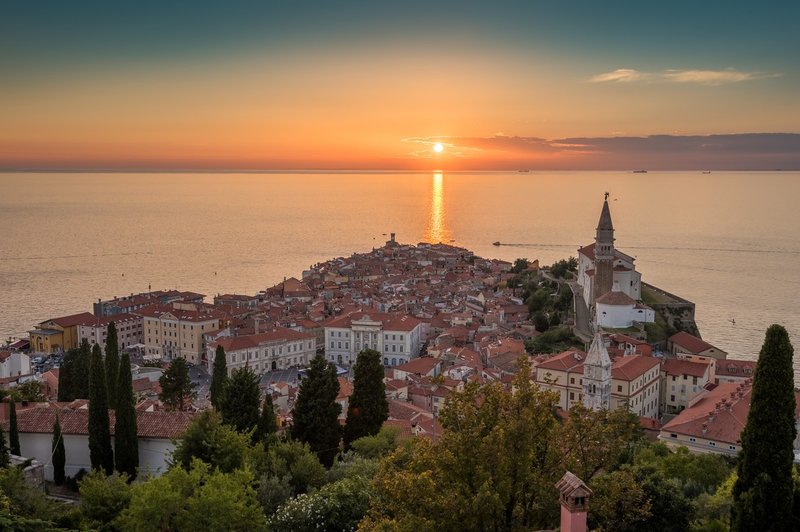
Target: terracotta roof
418, 365
632, 367
278, 334
567, 361
162, 425
674, 366
588, 251
705, 419
615, 298
345, 388
390, 322
70, 321
690, 342
736, 368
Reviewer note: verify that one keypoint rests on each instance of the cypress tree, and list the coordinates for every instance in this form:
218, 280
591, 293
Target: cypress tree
126, 444
267, 423
13, 431
368, 407
66, 376
316, 412
219, 377
112, 364
240, 400
59, 454
81, 370
5, 457
101, 454
764, 488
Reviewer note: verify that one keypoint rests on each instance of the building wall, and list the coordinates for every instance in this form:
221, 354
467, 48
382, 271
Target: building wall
46, 342
278, 354
171, 337
342, 345
153, 453
614, 316
15, 365
129, 332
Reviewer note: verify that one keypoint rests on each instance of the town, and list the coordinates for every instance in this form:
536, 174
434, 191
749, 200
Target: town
439, 316
439, 320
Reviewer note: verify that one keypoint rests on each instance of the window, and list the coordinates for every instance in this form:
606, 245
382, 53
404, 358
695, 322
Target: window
672, 398
712, 443
694, 380
619, 387
572, 380
692, 440
572, 396
673, 435
732, 447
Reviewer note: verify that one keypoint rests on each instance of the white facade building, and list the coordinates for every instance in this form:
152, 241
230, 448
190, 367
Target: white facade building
617, 310
397, 338
14, 364
129, 330
280, 348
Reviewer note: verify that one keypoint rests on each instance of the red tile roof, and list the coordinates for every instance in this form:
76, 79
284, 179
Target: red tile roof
421, 366
70, 321
673, 366
690, 343
736, 368
161, 425
632, 367
567, 361
615, 298
278, 334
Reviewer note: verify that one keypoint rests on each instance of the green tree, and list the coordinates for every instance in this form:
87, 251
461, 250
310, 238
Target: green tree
520, 265
112, 364
30, 391
101, 454
82, 370
103, 499
763, 493
195, 499
494, 467
4, 454
177, 390
619, 503
209, 440
240, 400
126, 441
59, 453
219, 377
337, 506
267, 422
66, 376
377, 446
368, 407
13, 430
316, 412
540, 321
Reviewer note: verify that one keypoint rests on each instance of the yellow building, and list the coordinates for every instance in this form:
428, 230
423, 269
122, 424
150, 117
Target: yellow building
176, 330
58, 334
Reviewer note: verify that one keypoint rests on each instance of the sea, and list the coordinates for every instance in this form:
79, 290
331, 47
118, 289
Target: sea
727, 241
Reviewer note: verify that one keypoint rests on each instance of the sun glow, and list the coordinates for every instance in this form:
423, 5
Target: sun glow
438, 147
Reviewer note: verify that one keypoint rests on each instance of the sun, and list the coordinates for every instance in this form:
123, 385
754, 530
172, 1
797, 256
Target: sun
438, 148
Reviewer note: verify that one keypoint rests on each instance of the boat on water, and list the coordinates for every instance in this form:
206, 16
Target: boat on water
523, 171
640, 171
706, 171
496, 243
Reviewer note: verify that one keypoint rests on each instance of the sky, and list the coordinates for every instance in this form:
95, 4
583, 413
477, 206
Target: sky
376, 85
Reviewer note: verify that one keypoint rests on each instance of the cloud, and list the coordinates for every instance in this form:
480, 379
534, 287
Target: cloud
701, 77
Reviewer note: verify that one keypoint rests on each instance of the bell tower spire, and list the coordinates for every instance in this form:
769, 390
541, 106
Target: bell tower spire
604, 253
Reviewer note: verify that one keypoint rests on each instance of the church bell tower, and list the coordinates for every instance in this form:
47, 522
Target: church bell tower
597, 376
603, 253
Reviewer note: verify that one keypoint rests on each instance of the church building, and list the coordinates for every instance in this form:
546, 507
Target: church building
609, 282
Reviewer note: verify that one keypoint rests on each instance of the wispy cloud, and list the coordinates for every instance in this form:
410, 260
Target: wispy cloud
701, 77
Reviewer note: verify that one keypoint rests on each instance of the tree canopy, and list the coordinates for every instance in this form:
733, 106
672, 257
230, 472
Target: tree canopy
316, 412
764, 490
240, 400
112, 364
101, 454
367, 408
177, 389
126, 440
212, 442
219, 377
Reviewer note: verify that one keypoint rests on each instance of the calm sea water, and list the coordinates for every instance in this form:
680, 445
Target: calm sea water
730, 242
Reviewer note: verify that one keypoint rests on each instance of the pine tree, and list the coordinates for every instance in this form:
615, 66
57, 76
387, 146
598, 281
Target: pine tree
59, 454
177, 390
81, 370
126, 443
112, 364
240, 400
267, 422
368, 407
13, 431
316, 412
101, 454
219, 377
763, 491
4, 454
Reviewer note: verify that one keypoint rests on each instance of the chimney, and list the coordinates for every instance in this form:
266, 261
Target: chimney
705, 428
574, 497
392, 236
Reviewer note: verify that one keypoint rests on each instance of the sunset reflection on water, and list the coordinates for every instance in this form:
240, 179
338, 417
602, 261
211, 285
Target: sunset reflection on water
437, 229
